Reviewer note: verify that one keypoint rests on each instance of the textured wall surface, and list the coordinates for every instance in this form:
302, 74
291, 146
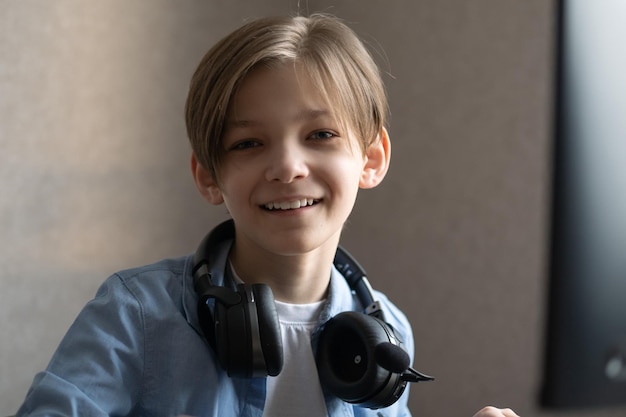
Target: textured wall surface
94, 174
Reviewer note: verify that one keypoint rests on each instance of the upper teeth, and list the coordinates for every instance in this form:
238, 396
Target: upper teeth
288, 205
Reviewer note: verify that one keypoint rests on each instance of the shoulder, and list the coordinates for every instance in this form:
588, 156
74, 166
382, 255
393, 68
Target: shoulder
147, 287
166, 268
154, 275
136, 303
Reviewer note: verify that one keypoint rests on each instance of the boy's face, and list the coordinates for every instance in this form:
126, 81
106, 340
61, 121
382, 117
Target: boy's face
290, 175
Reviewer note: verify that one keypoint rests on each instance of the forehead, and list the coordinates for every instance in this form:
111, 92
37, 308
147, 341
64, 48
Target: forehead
282, 88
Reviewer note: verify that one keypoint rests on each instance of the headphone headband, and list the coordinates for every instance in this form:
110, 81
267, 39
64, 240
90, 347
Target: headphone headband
358, 355
345, 263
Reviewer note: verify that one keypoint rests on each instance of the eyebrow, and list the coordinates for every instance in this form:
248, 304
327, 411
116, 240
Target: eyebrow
305, 115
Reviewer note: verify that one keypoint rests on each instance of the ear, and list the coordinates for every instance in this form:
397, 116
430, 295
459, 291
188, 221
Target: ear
205, 183
377, 158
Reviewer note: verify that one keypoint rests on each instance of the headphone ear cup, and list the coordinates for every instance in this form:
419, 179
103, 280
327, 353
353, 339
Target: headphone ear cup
244, 330
269, 329
252, 331
347, 365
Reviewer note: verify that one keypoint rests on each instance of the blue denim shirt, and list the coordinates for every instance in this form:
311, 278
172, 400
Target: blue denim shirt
137, 349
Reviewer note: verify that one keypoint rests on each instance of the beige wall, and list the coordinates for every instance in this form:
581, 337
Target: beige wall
94, 177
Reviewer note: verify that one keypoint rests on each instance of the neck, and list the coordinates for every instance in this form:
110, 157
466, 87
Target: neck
298, 279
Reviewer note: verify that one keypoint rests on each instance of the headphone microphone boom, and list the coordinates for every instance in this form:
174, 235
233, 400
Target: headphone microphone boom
392, 358
395, 359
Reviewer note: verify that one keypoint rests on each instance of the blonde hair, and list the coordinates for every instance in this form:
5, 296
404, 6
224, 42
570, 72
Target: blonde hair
332, 55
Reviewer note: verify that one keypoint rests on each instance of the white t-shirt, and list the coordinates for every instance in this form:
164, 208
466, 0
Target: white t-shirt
296, 391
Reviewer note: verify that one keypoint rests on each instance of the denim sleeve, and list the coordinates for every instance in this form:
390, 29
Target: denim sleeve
97, 369
402, 326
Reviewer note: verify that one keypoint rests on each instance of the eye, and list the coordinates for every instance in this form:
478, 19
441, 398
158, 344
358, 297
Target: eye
244, 144
322, 134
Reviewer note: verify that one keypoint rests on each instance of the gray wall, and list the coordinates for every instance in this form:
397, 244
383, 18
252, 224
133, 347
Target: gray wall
94, 174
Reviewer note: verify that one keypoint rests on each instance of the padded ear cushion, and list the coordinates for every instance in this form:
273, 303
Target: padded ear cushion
346, 360
207, 323
269, 328
218, 336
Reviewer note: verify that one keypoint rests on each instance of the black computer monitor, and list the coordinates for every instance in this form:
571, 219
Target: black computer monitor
585, 356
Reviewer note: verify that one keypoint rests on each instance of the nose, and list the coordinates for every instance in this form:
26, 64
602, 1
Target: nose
287, 163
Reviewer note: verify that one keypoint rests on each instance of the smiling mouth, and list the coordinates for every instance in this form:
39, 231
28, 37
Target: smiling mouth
290, 205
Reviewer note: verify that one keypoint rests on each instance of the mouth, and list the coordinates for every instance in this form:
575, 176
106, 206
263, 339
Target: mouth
290, 205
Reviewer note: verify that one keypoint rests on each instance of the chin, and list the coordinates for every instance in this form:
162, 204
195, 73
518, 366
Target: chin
291, 247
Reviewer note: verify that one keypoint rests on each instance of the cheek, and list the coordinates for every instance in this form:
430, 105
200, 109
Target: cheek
227, 188
348, 177
238, 190
351, 169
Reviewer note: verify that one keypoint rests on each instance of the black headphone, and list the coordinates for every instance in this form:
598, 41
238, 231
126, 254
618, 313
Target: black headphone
359, 357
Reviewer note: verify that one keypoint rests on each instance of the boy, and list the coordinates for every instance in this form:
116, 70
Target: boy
286, 119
